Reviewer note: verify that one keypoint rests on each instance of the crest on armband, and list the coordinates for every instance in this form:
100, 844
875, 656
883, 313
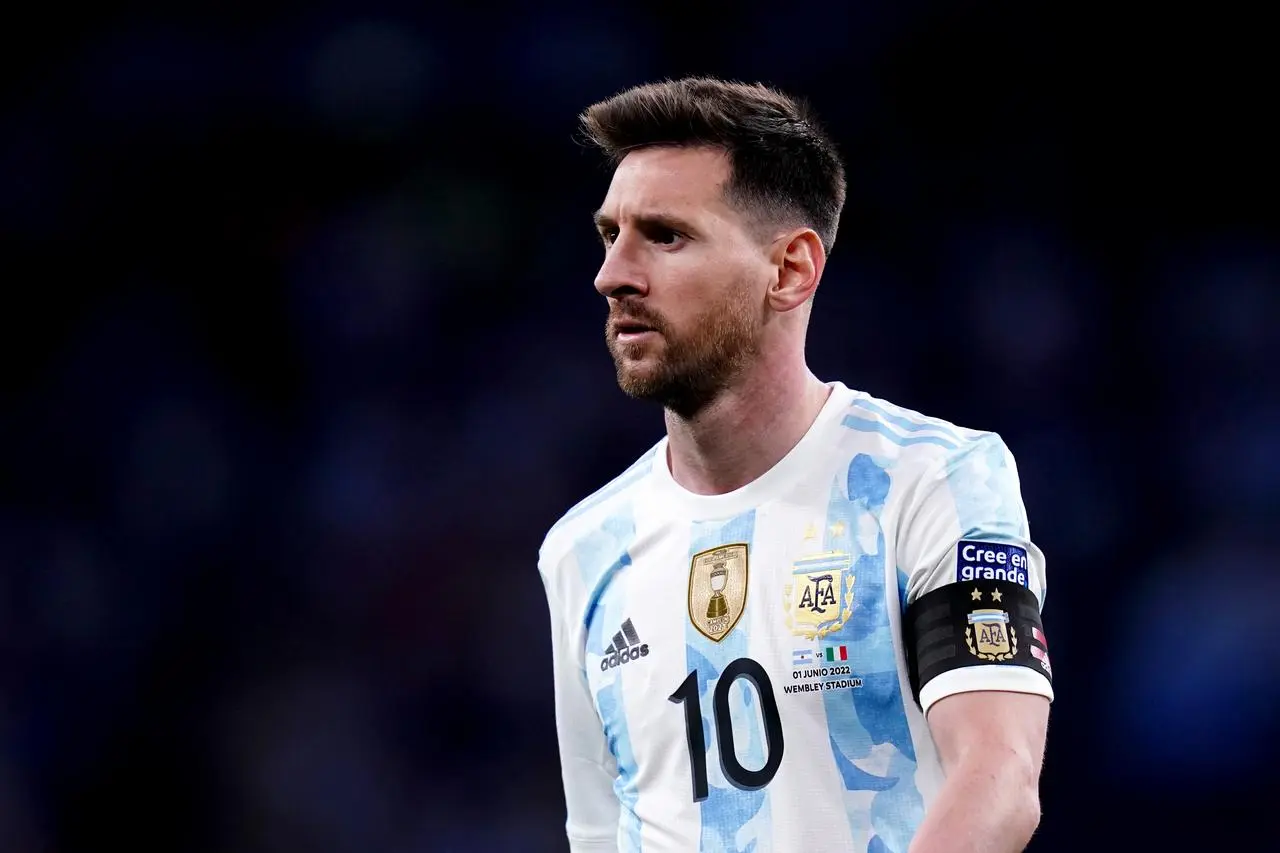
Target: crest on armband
990, 634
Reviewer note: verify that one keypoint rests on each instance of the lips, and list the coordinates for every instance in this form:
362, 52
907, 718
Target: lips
630, 327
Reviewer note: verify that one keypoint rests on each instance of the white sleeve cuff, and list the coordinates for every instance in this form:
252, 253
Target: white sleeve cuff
970, 679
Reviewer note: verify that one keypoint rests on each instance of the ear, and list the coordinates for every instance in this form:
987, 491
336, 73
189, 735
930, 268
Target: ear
799, 258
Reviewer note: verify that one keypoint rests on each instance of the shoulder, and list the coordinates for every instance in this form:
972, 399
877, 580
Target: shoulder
590, 512
955, 482
924, 448
906, 428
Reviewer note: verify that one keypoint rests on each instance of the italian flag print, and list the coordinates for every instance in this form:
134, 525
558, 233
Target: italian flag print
833, 653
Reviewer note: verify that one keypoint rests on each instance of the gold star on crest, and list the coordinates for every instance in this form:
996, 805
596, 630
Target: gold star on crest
977, 595
995, 595
811, 532
837, 529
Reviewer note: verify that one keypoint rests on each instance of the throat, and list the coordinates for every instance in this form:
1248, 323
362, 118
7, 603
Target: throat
735, 440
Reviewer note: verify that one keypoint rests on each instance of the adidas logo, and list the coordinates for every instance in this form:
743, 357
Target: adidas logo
626, 647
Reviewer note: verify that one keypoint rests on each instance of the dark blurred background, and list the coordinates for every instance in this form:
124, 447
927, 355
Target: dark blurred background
301, 357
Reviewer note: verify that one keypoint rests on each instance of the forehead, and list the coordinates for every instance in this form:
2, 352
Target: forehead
684, 182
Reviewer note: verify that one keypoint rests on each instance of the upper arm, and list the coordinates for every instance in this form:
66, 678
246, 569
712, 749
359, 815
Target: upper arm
587, 766
1009, 728
975, 580
971, 493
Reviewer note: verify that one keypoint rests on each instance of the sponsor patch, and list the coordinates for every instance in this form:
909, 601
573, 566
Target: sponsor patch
991, 561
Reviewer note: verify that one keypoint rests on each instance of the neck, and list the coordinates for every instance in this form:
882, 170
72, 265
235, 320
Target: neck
744, 431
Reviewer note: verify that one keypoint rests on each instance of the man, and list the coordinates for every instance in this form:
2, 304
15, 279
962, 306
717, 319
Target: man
807, 619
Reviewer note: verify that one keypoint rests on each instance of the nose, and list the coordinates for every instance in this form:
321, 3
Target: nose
621, 274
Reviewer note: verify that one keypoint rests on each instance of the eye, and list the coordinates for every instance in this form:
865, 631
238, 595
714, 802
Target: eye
664, 236
608, 235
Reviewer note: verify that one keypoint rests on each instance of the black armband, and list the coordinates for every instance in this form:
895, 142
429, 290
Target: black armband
973, 623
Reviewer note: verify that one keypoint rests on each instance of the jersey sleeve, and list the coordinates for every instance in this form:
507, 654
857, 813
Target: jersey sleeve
587, 767
975, 584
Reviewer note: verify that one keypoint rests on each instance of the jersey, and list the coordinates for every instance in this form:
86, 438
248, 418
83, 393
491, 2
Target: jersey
732, 672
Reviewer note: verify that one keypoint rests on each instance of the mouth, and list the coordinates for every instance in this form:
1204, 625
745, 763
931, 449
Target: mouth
628, 331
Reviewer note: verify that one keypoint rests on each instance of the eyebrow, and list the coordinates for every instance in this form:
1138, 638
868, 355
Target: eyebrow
645, 220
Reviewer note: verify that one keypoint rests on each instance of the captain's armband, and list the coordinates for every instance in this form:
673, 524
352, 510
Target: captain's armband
987, 622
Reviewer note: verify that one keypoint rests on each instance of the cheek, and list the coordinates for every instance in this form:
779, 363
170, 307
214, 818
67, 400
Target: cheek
694, 289
740, 290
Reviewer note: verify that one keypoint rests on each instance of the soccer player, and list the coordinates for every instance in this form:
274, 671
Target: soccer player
807, 619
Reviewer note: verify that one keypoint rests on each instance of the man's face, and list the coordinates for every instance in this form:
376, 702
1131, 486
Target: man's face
684, 277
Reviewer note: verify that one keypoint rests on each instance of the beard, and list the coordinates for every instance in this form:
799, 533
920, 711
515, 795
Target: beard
686, 372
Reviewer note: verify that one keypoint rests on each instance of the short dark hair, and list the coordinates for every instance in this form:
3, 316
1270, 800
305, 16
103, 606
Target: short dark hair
784, 165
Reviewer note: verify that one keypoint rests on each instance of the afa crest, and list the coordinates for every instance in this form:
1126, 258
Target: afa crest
819, 595
990, 636
718, 589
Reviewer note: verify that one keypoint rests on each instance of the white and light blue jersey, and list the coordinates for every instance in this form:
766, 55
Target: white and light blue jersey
730, 673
